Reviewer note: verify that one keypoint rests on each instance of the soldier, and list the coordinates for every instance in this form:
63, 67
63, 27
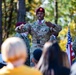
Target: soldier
24, 35
40, 30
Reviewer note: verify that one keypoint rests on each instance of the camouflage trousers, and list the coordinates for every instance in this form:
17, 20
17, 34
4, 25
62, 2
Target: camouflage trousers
33, 47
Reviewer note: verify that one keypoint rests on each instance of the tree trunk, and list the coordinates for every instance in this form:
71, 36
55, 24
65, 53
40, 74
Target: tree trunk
0, 23
21, 18
5, 22
10, 18
21, 11
56, 11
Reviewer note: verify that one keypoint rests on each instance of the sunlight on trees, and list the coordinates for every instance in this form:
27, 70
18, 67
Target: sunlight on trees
63, 35
66, 15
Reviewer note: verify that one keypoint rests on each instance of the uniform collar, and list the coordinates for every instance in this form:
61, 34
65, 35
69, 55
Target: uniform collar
42, 21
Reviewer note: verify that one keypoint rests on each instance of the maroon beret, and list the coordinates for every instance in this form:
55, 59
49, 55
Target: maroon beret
40, 9
19, 23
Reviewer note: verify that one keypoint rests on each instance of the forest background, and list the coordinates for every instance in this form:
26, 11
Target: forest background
62, 12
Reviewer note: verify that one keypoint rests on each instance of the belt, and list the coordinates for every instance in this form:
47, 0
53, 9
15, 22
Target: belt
38, 41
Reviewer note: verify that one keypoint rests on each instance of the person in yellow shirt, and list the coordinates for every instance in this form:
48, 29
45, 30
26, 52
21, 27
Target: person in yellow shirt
14, 53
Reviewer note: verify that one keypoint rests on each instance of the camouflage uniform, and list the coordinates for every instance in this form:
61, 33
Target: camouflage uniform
24, 36
40, 33
26, 40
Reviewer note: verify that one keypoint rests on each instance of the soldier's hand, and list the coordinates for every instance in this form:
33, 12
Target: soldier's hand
21, 26
50, 24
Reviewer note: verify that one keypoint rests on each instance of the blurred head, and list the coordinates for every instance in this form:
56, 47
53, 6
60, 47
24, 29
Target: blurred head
13, 49
45, 48
40, 13
50, 59
36, 55
50, 56
59, 53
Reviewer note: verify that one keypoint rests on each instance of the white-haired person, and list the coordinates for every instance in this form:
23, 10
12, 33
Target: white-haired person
14, 53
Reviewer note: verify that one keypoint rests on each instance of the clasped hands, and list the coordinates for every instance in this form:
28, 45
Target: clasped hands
19, 27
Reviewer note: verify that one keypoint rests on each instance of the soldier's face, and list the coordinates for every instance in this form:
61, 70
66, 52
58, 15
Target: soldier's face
40, 15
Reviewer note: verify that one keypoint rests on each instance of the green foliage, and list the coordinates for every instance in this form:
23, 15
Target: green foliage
66, 9
31, 6
63, 35
9, 18
66, 14
9, 21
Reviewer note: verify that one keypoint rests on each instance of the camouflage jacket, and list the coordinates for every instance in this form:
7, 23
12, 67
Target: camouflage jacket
40, 32
25, 39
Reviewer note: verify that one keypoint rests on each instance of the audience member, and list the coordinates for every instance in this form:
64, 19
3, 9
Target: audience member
36, 56
50, 60
63, 57
14, 53
24, 35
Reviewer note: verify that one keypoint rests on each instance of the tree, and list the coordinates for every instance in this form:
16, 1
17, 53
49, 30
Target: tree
7, 17
56, 11
65, 13
0, 23
31, 6
21, 11
9, 14
10, 18
63, 35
